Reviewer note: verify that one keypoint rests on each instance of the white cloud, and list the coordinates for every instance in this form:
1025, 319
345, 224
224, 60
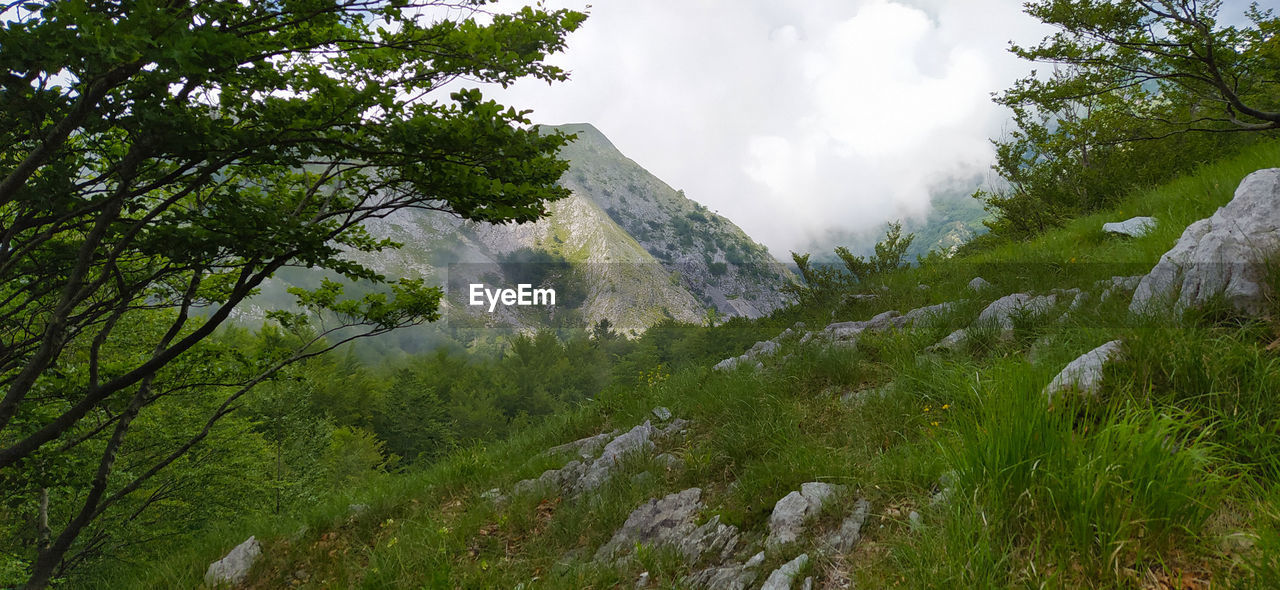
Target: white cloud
793, 118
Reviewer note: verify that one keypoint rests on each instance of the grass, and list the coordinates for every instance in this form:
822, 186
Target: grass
1155, 481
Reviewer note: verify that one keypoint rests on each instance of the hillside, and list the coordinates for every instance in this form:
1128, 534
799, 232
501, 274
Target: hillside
644, 251
863, 454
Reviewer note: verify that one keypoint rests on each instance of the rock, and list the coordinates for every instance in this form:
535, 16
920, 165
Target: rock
562, 479
760, 349
635, 440
1085, 373
952, 341
643, 580
1003, 310
1117, 285
1134, 228
979, 284
670, 521
357, 508
914, 520
585, 448
790, 513
781, 578
726, 577
850, 532
233, 568
1225, 254
922, 287
677, 426
662, 413
928, 311
807, 584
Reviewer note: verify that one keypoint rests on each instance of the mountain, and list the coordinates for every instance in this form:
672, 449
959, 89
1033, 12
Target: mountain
954, 218
624, 246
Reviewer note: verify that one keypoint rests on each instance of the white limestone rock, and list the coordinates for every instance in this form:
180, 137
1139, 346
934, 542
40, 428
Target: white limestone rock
1225, 254
782, 577
1134, 228
1085, 373
233, 568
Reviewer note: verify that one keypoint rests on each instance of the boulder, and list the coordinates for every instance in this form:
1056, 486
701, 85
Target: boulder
1085, 373
782, 577
233, 568
952, 341
1003, 310
1134, 228
1225, 255
670, 521
758, 350
787, 521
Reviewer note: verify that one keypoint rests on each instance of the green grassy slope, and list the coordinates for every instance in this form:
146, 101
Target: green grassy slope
1170, 477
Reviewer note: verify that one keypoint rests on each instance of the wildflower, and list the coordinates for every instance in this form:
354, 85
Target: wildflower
934, 423
946, 406
927, 408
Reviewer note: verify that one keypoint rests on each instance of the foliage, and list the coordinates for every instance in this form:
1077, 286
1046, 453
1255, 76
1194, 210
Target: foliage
174, 157
1140, 91
822, 282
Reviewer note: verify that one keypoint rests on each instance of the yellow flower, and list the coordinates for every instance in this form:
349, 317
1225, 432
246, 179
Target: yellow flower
934, 423
926, 408
946, 406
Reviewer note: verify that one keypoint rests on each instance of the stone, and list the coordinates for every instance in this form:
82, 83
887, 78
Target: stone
1224, 255
677, 426
1134, 228
914, 520
807, 584
643, 580
670, 521
726, 577
789, 515
929, 311
357, 508
233, 568
585, 448
758, 350
1003, 310
979, 284
662, 413
1085, 373
782, 577
638, 439
1116, 285
952, 341
847, 536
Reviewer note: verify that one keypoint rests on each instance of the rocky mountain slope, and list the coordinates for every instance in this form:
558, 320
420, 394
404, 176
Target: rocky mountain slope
638, 250
1100, 414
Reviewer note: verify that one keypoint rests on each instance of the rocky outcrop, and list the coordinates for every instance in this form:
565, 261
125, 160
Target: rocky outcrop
732, 576
790, 514
585, 448
1135, 227
636, 440
844, 538
1084, 375
1002, 311
233, 568
757, 351
671, 521
1225, 255
782, 577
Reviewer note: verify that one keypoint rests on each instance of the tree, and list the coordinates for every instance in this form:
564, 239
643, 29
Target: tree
1140, 89
165, 158
1154, 54
822, 281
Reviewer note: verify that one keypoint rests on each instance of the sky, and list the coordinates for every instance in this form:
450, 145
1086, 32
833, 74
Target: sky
794, 118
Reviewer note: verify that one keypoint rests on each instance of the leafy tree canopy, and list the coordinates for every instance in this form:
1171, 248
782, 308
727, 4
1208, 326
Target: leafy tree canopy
166, 157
